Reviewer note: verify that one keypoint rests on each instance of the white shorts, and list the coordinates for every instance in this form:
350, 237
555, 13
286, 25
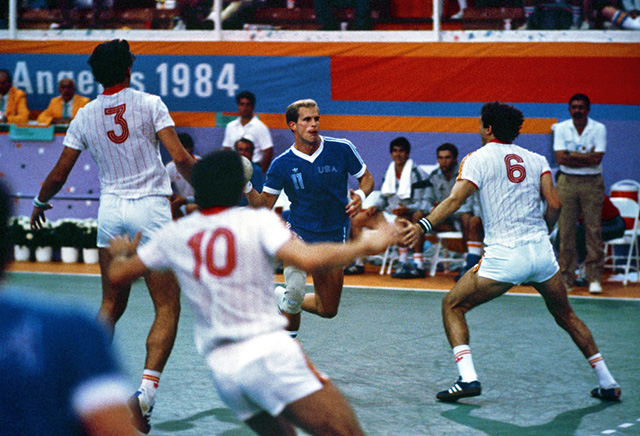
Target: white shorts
120, 216
534, 262
265, 373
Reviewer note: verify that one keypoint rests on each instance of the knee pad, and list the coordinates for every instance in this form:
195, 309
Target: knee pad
295, 281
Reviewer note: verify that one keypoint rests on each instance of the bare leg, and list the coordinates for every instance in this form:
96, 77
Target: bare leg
325, 412
165, 293
470, 291
267, 425
114, 299
328, 290
555, 297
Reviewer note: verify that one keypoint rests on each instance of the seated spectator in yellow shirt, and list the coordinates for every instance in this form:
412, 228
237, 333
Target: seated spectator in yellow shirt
62, 109
13, 102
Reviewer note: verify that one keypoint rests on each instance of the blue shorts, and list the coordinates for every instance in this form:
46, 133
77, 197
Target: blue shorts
126, 216
339, 235
534, 262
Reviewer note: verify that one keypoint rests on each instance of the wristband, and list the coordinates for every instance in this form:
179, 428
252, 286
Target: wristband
248, 187
360, 193
39, 204
425, 225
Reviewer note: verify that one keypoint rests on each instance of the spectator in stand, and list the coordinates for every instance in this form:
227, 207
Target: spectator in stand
579, 145
325, 13
245, 147
552, 15
603, 13
249, 124
68, 6
400, 196
63, 109
467, 219
13, 101
182, 199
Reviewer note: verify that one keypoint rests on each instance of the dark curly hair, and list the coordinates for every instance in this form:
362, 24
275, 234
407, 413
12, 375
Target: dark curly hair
217, 179
504, 119
109, 62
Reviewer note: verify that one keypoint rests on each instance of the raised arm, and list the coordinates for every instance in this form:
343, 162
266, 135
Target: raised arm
550, 195
183, 160
52, 185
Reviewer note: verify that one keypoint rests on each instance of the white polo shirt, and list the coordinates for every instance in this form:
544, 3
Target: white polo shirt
593, 139
255, 129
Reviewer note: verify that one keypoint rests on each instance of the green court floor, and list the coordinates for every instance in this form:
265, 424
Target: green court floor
387, 352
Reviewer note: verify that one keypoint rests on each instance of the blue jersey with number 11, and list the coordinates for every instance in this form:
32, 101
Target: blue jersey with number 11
316, 185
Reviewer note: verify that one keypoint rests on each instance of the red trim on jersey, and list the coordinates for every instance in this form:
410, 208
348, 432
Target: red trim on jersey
498, 141
214, 210
113, 90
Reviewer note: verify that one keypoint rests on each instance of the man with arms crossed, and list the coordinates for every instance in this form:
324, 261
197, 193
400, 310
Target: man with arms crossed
511, 180
223, 256
314, 173
121, 128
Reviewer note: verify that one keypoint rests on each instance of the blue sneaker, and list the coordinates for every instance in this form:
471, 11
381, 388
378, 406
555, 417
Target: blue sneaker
611, 394
459, 390
408, 271
141, 413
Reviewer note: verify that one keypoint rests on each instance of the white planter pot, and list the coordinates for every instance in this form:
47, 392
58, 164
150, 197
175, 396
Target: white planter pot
21, 253
69, 254
90, 255
44, 254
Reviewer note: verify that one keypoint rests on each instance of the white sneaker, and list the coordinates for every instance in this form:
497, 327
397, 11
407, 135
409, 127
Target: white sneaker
279, 291
595, 287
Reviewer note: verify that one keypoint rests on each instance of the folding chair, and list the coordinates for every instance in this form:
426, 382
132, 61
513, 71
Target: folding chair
441, 254
629, 211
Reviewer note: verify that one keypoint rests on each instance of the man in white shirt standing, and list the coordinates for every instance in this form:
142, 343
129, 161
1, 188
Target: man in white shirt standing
579, 145
121, 129
511, 181
248, 124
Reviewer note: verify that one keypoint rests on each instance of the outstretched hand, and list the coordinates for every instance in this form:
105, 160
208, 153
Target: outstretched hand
379, 239
410, 232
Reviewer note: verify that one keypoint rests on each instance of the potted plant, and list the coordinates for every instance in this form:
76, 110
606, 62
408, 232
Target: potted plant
67, 235
44, 241
21, 236
89, 240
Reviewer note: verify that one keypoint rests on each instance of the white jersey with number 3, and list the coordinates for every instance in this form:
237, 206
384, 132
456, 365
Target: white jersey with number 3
224, 260
119, 130
508, 179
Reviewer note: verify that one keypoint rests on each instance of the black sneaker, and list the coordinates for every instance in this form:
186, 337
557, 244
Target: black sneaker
141, 413
459, 390
354, 269
611, 394
408, 271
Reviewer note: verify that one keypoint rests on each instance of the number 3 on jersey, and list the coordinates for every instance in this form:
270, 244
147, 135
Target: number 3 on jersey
118, 111
516, 173
219, 253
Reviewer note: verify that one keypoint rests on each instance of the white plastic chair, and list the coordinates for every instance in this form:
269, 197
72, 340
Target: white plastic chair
441, 255
629, 210
624, 185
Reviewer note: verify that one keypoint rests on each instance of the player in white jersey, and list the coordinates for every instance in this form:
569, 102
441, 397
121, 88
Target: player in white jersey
223, 257
511, 182
121, 129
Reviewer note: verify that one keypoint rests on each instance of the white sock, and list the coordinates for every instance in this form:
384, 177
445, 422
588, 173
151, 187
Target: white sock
149, 385
605, 379
417, 259
462, 354
402, 254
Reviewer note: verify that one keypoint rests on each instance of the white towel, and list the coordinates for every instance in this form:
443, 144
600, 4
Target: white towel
404, 187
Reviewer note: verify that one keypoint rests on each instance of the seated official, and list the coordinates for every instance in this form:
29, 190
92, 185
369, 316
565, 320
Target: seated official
13, 101
64, 108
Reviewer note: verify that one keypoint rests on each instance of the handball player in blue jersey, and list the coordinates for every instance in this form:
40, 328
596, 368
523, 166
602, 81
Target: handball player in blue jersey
314, 173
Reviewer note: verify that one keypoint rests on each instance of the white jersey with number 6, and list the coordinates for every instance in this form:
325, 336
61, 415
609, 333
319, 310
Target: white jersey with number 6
224, 260
508, 178
119, 130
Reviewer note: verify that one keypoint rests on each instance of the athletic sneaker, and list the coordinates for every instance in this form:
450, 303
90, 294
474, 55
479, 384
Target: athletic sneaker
141, 412
611, 394
354, 269
408, 271
459, 390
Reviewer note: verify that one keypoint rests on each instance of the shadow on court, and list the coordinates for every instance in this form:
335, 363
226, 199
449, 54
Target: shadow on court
386, 351
565, 423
